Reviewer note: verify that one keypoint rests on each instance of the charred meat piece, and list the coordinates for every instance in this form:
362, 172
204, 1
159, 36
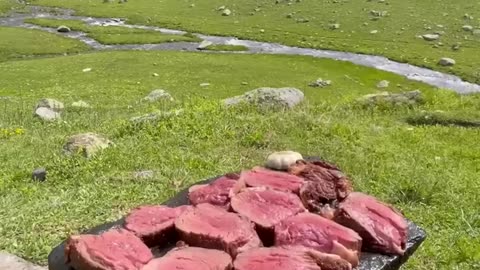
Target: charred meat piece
288, 258
262, 177
154, 223
325, 185
266, 208
216, 193
210, 226
321, 234
382, 228
192, 258
112, 250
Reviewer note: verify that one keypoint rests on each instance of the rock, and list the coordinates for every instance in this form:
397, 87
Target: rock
226, 12
158, 94
204, 44
404, 98
446, 62
155, 116
63, 29
468, 28
269, 97
456, 47
86, 70
141, 175
39, 174
47, 114
155, 74
221, 8
51, 104
334, 26
320, 83
11, 262
430, 37
383, 84
204, 84
87, 144
374, 32
81, 104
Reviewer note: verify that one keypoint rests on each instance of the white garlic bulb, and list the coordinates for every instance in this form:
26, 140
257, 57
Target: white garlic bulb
282, 160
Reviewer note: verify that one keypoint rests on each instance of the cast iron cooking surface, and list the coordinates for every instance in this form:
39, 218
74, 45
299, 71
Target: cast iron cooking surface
368, 261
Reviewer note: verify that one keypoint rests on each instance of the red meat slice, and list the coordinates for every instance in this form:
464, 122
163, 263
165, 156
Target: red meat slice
288, 258
210, 226
321, 234
191, 258
112, 250
325, 185
154, 224
266, 208
382, 228
216, 193
262, 177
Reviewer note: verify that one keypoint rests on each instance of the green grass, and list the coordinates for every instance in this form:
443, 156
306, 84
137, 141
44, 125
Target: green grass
21, 43
110, 35
306, 24
429, 172
6, 6
226, 48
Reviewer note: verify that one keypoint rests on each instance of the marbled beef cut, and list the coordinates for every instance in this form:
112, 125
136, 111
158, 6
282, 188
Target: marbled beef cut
382, 228
117, 249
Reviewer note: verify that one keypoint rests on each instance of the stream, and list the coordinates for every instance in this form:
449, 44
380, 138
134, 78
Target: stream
431, 77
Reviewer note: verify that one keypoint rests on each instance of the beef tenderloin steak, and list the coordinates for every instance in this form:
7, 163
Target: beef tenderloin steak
216, 193
266, 208
321, 234
262, 177
288, 258
154, 224
210, 226
382, 228
116, 249
191, 258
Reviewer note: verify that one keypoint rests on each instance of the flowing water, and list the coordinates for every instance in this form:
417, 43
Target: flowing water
434, 78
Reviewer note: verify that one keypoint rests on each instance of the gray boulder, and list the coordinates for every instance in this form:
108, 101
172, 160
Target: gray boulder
446, 62
87, 144
383, 84
51, 104
467, 28
158, 94
269, 97
204, 44
404, 98
39, 174
47, 114
320, 83
63, 29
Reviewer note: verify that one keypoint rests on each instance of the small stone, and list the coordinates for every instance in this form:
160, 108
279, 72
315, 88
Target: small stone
87, 144
374, 32
81, 104
430, 37
204, 84
221, 8
244, 83
51, 104
158, 94
226, 12
63, 29
262, 30
39, 174
320, 83
446, 62
383, 84
334, 26
47, 114
204, 44
192, 5
467, 28
155, 75
86, 69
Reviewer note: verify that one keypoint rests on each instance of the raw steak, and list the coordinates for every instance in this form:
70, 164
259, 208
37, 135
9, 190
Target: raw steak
262, 177
191, 258
154, 223
325, 185
266, 208
313, 231
210, 226
112, 250
288, 258
216, 193
382, 228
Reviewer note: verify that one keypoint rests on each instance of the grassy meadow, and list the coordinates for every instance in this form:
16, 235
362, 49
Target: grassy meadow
424, 159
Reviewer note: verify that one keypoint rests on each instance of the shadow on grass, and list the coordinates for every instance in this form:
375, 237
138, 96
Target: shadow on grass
440, 119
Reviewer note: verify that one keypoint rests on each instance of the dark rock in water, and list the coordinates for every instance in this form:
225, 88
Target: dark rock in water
63, 29
39, 174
